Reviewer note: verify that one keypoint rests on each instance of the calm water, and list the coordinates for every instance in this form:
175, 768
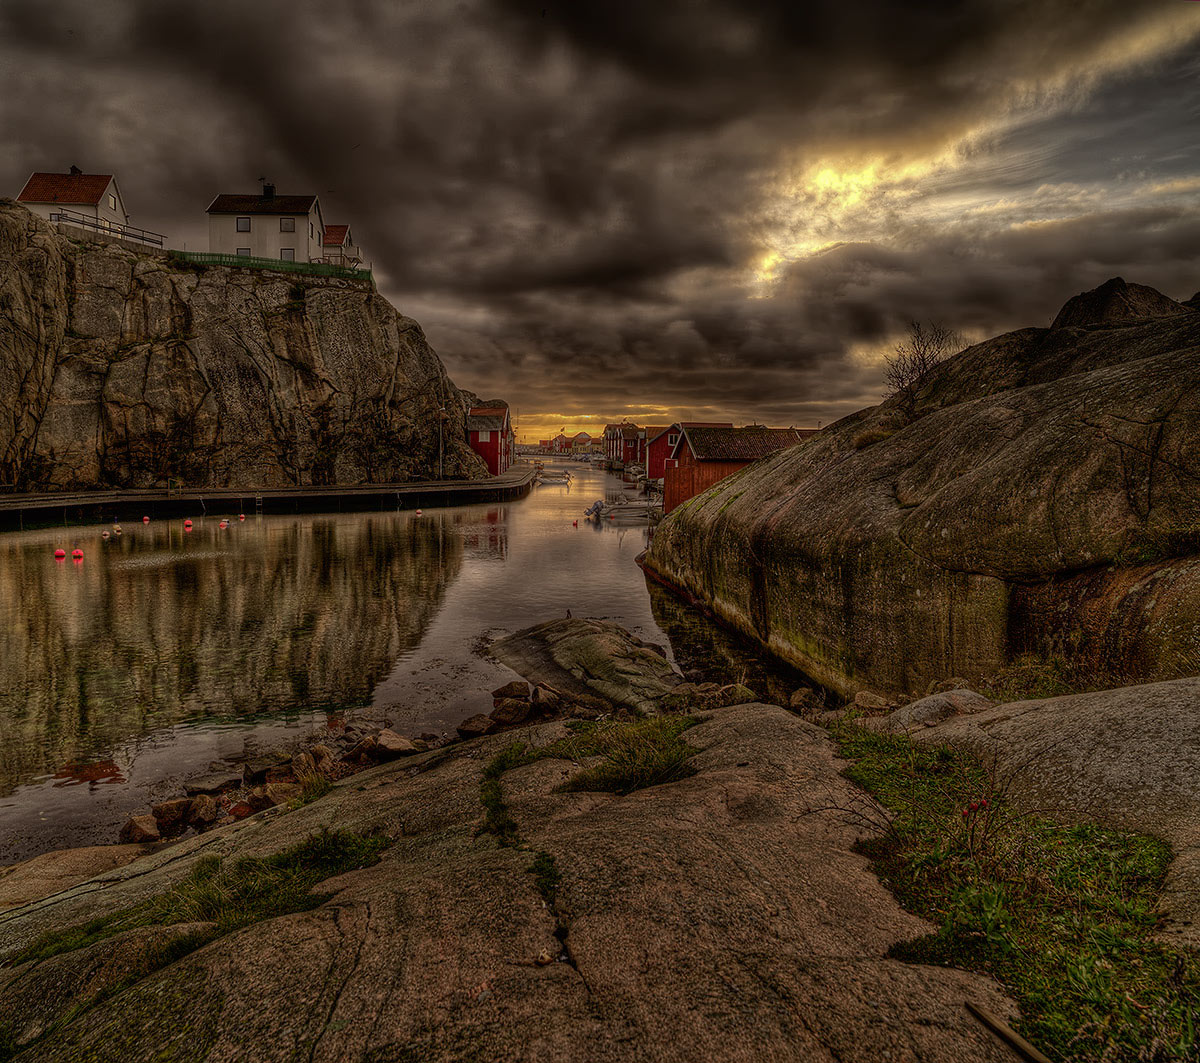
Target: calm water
165, 652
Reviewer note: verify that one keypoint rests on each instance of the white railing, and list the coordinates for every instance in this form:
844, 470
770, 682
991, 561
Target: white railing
125, 232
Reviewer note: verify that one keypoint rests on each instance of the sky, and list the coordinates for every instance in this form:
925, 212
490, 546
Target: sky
707, 209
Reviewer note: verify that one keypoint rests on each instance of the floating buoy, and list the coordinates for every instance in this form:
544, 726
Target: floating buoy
59, 554
145, 520
104, 535
116, 529
574, 524
187, 523
241, 516
223, 524
77, 554
418, 512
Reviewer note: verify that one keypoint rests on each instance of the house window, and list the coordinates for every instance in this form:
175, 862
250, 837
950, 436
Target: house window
112, 201
310, 230
672, 439
243, 225
485, 436
287, 225
288, 254
245, 251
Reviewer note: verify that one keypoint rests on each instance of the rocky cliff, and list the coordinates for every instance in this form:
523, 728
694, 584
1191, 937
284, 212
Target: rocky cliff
120, 369
1044, 500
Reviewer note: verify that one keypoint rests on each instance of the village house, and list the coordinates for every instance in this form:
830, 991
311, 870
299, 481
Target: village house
91, 201
339, 248
660, 442
490, 432
623, 443
287, 228
703, 456
581, 443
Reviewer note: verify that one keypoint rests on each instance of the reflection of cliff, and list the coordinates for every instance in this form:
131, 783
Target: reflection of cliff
261, 618
119, 369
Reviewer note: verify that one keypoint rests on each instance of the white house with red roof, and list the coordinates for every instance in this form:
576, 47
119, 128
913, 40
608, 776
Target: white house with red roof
91, 200
290, 228
340, 248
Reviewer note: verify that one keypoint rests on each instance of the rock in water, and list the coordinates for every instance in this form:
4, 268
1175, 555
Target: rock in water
590, 661
388, 744
119, 359
476, 725
1044, 500
142, 828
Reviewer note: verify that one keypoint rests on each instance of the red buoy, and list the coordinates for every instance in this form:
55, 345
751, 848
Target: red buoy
223, 524
574, 524
145, 520
59, 554
187, 523
418, 512
241, 516
77, 554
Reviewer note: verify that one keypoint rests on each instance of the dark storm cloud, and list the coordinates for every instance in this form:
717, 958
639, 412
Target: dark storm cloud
572, 197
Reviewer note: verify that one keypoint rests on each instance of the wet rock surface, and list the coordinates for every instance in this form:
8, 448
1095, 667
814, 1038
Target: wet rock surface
1044, 501
709, 918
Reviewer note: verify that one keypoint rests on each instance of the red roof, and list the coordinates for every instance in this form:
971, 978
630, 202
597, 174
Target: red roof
488, 411
65, 188
739, 444
335, 235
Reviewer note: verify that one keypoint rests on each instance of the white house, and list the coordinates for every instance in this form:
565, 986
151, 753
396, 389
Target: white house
290, 228
70, 197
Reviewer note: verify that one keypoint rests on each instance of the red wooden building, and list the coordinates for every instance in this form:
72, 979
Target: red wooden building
704, 456
491, 436
661, 441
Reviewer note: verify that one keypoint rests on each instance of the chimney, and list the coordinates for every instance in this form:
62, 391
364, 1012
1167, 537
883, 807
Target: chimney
75, 171
268, 191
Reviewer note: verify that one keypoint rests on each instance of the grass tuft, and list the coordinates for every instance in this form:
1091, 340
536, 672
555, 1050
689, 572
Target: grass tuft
546, 876
1064, 915
313, 787
637, 754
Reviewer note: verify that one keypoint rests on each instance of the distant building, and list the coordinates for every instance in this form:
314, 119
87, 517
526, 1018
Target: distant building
290, 228
339, 248
703, 456
490, 431
581, 443
89, 200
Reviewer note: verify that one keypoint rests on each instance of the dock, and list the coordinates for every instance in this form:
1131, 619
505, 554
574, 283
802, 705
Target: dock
38, 509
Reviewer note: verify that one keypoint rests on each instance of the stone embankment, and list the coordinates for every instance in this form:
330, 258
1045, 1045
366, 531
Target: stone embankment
127, 370
1043, 500
709, 917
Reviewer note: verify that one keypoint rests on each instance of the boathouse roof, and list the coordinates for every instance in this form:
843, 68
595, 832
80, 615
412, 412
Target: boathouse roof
487, 418
738, 444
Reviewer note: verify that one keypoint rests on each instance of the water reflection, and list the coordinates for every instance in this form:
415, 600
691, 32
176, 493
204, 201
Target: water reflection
160, 626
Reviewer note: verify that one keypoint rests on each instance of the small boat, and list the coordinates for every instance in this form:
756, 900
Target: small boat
556, 477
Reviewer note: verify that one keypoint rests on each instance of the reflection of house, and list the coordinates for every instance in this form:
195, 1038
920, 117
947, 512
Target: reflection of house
661, 441
290, 228
491, 435
89, 200
705, 455
339, 248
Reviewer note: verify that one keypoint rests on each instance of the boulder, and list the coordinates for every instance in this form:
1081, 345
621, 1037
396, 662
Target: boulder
140, 828
476, 725
941, 686
216, 783
931, 711
1043, 500
389, 745
303, 764
256, 769
203, 812
241, 810
515, 689
172, 816
593, 662
866, 701
510, 711
271, 794
734, 694
545, 701
362, 752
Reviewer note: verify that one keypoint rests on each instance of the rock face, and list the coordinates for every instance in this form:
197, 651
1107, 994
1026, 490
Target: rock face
1126, 758
1044, 500
122, 370
709, 918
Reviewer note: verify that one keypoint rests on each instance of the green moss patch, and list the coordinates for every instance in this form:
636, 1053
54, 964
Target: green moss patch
1063, 915
227, 894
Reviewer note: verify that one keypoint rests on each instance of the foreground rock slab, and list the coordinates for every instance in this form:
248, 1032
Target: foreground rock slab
710, 918
1127, 758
